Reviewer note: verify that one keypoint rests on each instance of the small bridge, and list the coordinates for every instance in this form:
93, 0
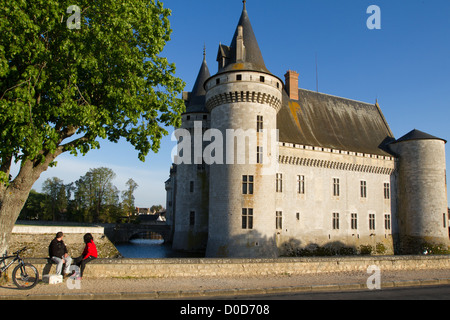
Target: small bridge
121, 233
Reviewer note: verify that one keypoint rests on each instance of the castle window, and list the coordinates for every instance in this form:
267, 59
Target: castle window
261, 79
259, 123
192, 218
218, 81
336, 189
335, 221
445, 220
239, 77
247, 218
259, 155
279, 220
279, 182
247, 184
191, 186
205, 117
387, 191
387, 222
297, 215
354, 221
363, 189
301, 184
371, 221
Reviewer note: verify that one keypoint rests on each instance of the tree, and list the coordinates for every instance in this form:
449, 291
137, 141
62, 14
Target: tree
35, 207
64, 88
55, 190
156, 208
96, 197
128, 205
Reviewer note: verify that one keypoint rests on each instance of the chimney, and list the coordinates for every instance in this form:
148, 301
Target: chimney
291, 79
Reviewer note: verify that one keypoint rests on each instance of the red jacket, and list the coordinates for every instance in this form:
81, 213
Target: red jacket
90, 250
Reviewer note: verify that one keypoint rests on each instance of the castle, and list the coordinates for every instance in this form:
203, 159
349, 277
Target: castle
335, 177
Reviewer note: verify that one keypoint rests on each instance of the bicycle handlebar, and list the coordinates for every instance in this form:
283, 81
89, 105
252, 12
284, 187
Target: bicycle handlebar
19, 251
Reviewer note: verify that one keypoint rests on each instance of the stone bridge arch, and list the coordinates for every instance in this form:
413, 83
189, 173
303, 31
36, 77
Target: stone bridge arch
122, 233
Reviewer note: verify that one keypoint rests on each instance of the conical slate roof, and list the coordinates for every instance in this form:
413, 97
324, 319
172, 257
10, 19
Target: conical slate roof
196, 101
418, 135
253, 58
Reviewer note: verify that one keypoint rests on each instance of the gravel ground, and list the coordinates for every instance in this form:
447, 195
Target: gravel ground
146, 285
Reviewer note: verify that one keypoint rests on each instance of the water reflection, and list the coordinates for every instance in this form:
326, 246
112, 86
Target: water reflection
151, 248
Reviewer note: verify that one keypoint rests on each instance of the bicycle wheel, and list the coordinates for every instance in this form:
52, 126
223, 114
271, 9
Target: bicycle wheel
25, 276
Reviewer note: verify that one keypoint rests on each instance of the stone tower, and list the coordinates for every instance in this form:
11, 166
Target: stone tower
422, 192
191, 211
243, 99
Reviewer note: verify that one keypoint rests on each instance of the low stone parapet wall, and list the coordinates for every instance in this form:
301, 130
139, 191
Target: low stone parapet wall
165, 268
37, 239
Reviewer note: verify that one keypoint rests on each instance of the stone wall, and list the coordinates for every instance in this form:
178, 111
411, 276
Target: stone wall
165, 268
236, 105
422, 198
308, 216
38, 238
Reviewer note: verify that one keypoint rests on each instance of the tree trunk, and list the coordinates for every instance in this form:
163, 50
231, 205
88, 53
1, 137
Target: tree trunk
13, 201
14, 196
12, 204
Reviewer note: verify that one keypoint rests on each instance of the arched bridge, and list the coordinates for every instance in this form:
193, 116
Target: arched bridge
121, 233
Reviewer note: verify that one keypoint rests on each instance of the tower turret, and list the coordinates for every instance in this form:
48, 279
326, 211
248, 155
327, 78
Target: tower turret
243, 99
422, 192
191, 211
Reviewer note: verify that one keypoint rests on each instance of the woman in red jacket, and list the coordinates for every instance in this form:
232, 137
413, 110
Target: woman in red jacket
89, 253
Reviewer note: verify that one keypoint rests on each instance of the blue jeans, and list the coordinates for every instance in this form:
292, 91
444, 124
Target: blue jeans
60, 262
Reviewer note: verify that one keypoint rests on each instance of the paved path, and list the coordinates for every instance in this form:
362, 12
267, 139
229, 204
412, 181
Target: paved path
192, 287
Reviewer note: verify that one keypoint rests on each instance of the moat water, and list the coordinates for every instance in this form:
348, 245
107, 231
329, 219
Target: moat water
151, 248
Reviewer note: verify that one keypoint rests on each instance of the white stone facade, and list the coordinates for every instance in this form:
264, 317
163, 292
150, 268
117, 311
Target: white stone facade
335, 197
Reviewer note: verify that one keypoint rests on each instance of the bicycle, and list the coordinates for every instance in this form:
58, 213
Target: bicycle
25, 276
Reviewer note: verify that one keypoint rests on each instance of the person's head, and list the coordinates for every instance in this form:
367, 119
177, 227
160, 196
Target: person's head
88, 238
59, 236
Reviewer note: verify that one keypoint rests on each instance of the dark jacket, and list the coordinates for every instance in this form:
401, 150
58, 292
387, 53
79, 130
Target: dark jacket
57, 248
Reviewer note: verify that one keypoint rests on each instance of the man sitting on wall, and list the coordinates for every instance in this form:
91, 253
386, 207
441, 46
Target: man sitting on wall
57, 251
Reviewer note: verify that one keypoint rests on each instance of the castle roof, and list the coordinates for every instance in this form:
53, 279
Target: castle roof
252, 59
322, 120
417, 135
196, 102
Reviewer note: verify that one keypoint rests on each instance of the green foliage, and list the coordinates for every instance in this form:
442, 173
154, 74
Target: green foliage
56, 199
365, 249
435, 249
326, 251
128, 205
35, 207
96, 197
92, 198
380, 248
62, 89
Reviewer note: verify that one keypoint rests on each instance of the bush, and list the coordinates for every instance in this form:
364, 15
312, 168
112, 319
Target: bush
365, 250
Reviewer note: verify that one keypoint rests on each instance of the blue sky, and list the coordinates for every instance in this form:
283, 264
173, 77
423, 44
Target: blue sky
405, 65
